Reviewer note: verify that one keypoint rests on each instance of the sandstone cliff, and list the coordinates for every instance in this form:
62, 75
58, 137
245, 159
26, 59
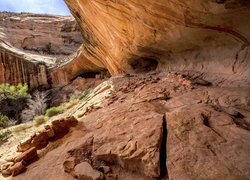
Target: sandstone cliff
17, 66
205, 38
33, 43
58, 36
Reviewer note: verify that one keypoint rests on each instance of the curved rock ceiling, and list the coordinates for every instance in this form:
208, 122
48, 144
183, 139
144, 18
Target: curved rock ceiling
125, 36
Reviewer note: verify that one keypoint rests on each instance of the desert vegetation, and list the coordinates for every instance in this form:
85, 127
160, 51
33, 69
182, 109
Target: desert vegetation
36, 106
54, 111
14, 91
3, 121
18, 104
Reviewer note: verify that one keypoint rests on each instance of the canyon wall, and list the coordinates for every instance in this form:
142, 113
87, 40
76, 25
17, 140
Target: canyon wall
30, 44
202, 38
58, 36
17, 66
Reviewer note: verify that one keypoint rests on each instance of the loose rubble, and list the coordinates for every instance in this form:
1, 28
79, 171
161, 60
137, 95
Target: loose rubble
37, 142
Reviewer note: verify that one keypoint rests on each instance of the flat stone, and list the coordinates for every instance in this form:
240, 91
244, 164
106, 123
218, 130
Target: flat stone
85, 171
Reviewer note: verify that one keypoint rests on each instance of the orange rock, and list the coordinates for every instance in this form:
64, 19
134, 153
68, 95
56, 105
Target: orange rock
6, 172
27, 155
85, 171
69, 164
64, 39
49, 130
24, 146
17, 168
60, 126
71, 121
40, 141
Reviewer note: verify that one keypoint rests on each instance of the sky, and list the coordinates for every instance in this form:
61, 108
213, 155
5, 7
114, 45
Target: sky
35, 6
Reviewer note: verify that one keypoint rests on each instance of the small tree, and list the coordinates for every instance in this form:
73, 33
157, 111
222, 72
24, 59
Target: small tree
13, 99
14, 92
36, 106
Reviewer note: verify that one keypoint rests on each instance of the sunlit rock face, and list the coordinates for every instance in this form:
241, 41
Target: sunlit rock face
202, 37
17, 66
42, 34
30, 44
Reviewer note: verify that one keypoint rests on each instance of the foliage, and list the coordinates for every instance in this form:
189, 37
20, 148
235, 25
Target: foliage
71, 103
54, 111
85, 93
40, 120
11, 122
48, 47
20, 128
14, 92
4, 136
3, 121
36, 106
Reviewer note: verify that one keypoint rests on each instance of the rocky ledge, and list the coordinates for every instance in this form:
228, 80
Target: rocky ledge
153, 126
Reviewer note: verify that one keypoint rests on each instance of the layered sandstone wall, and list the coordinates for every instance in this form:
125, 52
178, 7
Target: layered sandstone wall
203, 38
30, 44
19, 67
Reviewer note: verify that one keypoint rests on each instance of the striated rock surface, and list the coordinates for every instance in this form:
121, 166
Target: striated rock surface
17, 66
58, 36
207, 38
33, 43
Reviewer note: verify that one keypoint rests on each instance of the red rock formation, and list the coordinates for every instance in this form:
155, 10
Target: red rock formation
19, 67
156, 126
208, 37
40, 33
54, 36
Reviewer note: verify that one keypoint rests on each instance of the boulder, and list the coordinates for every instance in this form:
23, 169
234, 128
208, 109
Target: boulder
49, 130
17, 168
6, 172
71, 121
40, 141
59, 126
84, 171
24, 146
4, 167
27, 155
69, 164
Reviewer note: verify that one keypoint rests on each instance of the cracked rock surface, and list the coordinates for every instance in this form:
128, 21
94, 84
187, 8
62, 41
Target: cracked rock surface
155, 126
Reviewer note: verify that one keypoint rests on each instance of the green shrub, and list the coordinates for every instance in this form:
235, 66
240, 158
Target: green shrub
3, 121
4, 136
12, 91
54, 111
85, 93
20, 128
71, 103
40, 120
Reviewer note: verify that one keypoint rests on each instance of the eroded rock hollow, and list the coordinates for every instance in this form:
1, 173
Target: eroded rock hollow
199, 37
